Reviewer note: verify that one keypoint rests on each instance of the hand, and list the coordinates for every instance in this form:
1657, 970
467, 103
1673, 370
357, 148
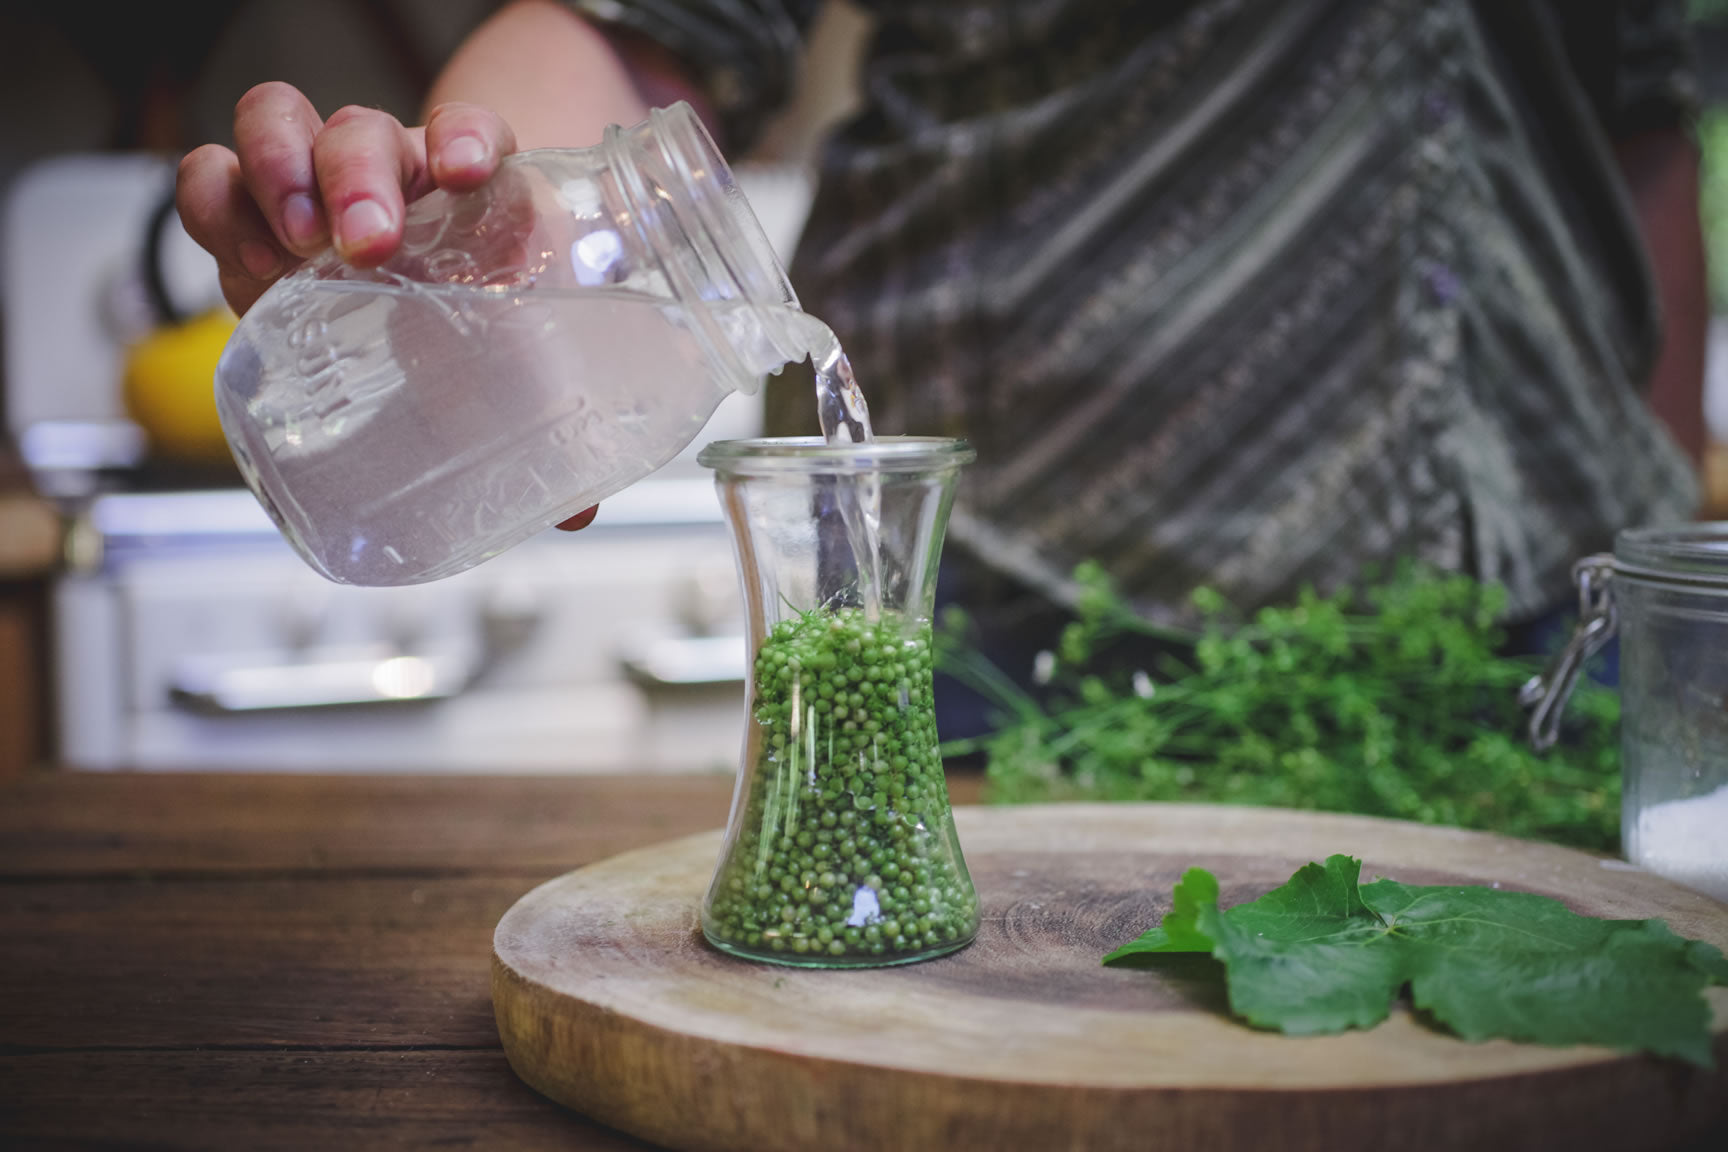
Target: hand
581, 520
295, 183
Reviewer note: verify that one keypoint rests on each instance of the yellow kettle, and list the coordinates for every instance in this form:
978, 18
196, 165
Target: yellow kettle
168, 388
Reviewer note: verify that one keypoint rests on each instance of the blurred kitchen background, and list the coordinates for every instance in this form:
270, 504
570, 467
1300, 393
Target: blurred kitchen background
150, 618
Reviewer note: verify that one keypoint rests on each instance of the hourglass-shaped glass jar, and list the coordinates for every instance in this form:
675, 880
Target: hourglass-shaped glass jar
840, 850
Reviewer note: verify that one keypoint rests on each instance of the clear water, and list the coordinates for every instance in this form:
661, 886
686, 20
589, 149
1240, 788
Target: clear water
845, 419
400, 433
840, 406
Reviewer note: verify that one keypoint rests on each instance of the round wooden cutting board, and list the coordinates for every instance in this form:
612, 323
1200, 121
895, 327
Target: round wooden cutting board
608, 1000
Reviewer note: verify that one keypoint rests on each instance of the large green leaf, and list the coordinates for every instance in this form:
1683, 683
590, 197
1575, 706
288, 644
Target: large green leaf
1324, 953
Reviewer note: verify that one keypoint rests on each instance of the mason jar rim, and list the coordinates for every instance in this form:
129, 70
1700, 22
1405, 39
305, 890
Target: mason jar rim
691, 214
813, 454
1691, 554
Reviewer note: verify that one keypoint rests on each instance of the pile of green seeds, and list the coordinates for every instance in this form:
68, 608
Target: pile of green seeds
845, 853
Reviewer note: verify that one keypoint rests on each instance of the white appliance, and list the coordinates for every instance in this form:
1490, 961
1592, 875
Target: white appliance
188, 635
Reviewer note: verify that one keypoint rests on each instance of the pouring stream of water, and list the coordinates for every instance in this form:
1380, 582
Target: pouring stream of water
845, 419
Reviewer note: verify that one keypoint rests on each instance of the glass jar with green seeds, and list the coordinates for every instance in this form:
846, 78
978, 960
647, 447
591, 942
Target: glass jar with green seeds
841, 849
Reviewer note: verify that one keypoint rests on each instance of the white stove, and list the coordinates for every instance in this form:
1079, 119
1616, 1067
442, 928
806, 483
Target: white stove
193, 637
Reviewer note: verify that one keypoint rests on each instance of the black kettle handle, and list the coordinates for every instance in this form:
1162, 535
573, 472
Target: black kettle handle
155, 284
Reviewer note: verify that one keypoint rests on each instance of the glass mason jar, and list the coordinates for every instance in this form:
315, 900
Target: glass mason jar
840, 850
1665, 591
535, 346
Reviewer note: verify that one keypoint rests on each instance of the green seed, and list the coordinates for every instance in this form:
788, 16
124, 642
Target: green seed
849, 752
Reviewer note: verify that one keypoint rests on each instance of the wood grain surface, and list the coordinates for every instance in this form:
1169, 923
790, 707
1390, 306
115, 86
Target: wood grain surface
287, 962
220, 824
608, 1000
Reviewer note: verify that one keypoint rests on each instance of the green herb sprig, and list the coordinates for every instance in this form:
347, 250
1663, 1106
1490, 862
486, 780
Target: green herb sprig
1390, 700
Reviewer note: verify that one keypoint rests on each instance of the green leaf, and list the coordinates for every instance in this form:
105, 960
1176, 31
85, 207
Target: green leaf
1179, 930
1308, 957
1512, 964
1708, 959
1324, 953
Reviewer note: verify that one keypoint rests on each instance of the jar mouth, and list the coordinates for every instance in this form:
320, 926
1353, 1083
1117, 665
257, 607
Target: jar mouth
714, 196
691, 213
812, 454
1687, 553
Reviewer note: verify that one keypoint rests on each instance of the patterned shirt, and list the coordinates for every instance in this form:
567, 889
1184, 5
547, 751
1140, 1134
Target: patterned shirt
1246, 293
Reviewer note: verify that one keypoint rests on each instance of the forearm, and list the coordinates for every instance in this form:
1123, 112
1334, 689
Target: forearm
558, 80
1661, 168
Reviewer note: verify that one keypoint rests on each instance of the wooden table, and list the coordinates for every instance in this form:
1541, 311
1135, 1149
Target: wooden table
245, 962
260, 962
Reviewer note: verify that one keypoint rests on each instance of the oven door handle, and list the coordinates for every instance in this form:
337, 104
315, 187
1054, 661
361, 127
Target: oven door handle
687, 661
389, 678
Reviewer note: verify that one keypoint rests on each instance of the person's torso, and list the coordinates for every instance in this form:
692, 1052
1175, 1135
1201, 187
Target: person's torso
1245, 293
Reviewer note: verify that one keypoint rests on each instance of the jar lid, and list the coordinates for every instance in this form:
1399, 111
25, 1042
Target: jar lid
812, 454
1685, 553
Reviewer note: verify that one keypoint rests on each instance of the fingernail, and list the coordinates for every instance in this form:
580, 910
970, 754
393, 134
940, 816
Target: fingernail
259, 259
300, 221
463, 152
363, 220
579, 521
